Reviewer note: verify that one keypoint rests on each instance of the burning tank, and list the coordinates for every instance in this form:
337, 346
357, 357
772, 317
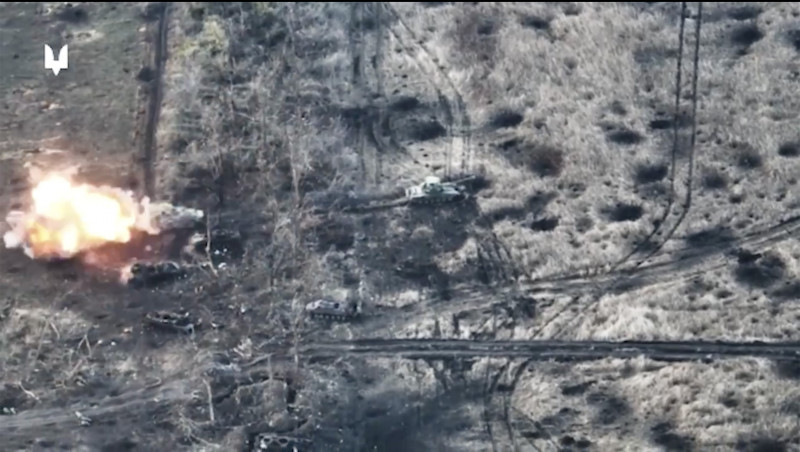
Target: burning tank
66, 218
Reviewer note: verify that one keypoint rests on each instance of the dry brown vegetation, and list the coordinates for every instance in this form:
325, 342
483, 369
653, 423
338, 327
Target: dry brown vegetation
567, 109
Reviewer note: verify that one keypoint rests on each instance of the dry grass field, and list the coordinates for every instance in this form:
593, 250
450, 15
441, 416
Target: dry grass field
597, 219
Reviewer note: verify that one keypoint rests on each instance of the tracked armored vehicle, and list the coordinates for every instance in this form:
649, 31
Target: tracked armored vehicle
150, 274
434, 191
171, 321
330, 309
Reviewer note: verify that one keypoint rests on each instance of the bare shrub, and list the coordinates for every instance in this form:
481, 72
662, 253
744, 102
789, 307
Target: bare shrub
474, 34
246, 139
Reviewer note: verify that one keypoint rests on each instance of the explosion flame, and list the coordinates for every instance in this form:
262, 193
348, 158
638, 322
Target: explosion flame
67, 218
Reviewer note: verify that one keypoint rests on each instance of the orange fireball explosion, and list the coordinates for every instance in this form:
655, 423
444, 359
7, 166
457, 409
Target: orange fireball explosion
66, 219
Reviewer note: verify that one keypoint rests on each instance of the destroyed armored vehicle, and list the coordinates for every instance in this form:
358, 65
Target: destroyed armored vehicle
434, 191
330, 309
268, 442
148, 274
171, 321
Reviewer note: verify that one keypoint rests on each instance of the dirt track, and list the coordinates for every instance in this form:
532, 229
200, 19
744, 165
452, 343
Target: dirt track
154, 95
93, 115
545, 350
182, 401
178, 389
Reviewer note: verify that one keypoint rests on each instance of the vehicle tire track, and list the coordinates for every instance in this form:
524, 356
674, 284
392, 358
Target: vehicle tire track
454, 113
181, 389
619, 266
149, 152
458, 114
681, 259
494, 258
496, 264
544, 349
376, 120
377, 66
668, 210
687, 205
581, 282
178, 388
356, 48
37, 418
477, 297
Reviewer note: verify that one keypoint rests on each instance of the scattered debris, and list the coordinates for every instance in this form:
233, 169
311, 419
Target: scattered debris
270, 442
331, 309
148, 274
182, 323
434, 191
84, 420
225, 245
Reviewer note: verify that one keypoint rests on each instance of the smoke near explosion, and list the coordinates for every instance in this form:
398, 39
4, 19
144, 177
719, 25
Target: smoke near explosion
66, 218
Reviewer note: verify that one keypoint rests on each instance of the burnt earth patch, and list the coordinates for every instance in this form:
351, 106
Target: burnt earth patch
622, 135
666, 120
577, 389
542, 159
618, 108
535, 22
486, 27
545, 224
747, 157
152, 11
661, 124
506, 118
405, 104
623, 212
710, 236
72, 14
610, 408
761, 444
793, 36
572, 8
663, 435
714, 179
789, 149
426, 273
146, 74
570, 443
646, 173
120, 445
546, 161
537, 202
788, 369
505, 213
761, 272
426, 130
790, 290
745, 12
334, 233
746, 35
